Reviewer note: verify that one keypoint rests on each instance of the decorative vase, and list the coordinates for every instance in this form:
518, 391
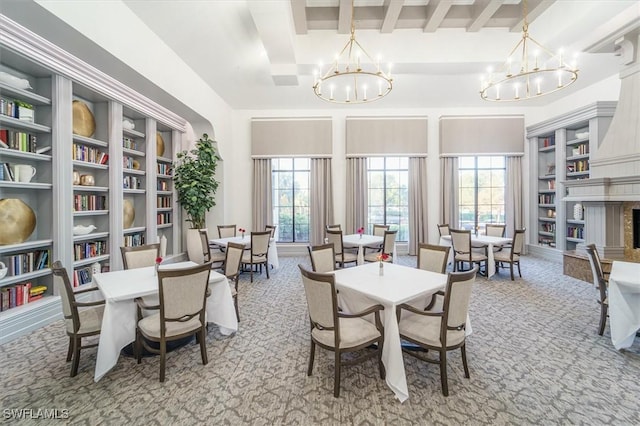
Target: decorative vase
360, 236
96, 268
159, 145
84, 124
577, 211
381, 269
128, 214
17, 221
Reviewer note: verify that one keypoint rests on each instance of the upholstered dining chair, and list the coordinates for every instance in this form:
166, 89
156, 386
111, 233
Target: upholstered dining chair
181, 313
462, 253
495, 230
388, 243
258, 255
601, 284
337, 331
378, 231
440, 330
335, 238
272, 229
79, 323
433, 258
140, 256
323, 258
443, 229
336, 227
226, 231
232, 270
511, 255
216, 257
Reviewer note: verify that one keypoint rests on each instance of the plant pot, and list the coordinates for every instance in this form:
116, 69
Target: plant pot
194, 246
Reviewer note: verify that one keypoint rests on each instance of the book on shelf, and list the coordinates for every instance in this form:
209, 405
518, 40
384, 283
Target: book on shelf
3, 144
43, 149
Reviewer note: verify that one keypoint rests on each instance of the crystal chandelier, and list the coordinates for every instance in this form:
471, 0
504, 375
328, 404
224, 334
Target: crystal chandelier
530, 71
353, 77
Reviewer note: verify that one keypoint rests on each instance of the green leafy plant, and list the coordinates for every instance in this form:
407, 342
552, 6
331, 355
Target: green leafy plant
195, 183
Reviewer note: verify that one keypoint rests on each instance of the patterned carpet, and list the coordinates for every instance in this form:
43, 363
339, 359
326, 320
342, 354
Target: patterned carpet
534, 357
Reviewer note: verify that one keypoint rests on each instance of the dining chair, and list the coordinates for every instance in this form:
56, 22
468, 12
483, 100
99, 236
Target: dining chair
79, 323
272, 229
258, 255
323, 258
440, 330
443, 229
388, 244
232, 270
182, 309
600, 283
335, 238
512, 253
337, 331
140, 256
433, 258
495, 230
336, 227
462, 253
216, 257
226, 231
378, 231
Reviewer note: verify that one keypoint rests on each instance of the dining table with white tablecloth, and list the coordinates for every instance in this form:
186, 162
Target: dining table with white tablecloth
245, 240
362, 286
624, 303
120, 288
480, 241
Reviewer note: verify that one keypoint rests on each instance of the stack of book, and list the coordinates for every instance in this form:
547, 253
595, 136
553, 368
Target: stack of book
20, 294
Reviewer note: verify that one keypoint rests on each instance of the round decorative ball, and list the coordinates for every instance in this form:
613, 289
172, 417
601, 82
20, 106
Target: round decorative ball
83, 122
159, 144
17, 221
128, 214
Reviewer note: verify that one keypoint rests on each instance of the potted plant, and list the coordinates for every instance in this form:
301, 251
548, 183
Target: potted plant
195, 183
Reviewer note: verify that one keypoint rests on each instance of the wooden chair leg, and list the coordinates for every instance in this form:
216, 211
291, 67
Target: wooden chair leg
336, 378
138, 346
311, 357
266, 267
76, 356
463, 348
519, 273
383, 372
203, 346
163, 358
70, 350
235, 304
511, 269
603, 319
443, 372
251, 271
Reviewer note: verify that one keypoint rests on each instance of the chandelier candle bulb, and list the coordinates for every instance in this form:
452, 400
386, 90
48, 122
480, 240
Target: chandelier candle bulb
364, 92
538, 86
348, 89
379, 88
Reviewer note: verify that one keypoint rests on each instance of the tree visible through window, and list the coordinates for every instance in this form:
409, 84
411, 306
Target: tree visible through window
388, 179
481, 191
290, 182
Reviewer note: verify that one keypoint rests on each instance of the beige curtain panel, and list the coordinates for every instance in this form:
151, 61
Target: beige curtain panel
356, 194
262, 201
482, 135
449, 203
368, 136
321, 199
513, 194
418, 203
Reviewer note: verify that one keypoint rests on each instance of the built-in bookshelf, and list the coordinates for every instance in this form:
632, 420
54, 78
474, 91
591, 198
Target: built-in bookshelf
560, 152
165, 198
74, 183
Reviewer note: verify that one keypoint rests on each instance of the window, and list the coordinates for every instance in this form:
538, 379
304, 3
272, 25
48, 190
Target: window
290, 181
388, 179
481, 191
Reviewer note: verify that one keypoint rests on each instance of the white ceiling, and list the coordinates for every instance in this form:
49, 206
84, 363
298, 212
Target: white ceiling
438, 48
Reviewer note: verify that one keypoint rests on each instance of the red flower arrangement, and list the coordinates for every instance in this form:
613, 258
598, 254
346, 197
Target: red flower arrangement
242, 231
158, 260
360, 230
382, 257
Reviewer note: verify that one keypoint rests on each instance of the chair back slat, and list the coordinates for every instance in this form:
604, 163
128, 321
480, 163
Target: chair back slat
433, 258
457, 296
63, 287
140, 256
226, 231
233, 259
461, 241
336, 227
260, 243
335, 238
323, 258
518, 242
321, 297
443, 229
182, 292
389, 242
495, 230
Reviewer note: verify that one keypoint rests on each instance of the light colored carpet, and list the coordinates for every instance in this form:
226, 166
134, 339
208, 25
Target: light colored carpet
534, 357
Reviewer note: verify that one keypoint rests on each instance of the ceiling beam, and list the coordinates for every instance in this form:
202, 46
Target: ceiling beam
486, 10
534, 10
299, 11
344, 17
392, 10
438, 15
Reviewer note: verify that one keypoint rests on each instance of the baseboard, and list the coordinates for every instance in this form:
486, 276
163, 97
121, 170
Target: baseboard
29, 317
547, 253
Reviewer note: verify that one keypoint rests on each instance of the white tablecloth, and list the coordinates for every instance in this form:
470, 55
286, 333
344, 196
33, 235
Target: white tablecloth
120, 288
246, 241
624, 303
355, 240
362, 286
480, 241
